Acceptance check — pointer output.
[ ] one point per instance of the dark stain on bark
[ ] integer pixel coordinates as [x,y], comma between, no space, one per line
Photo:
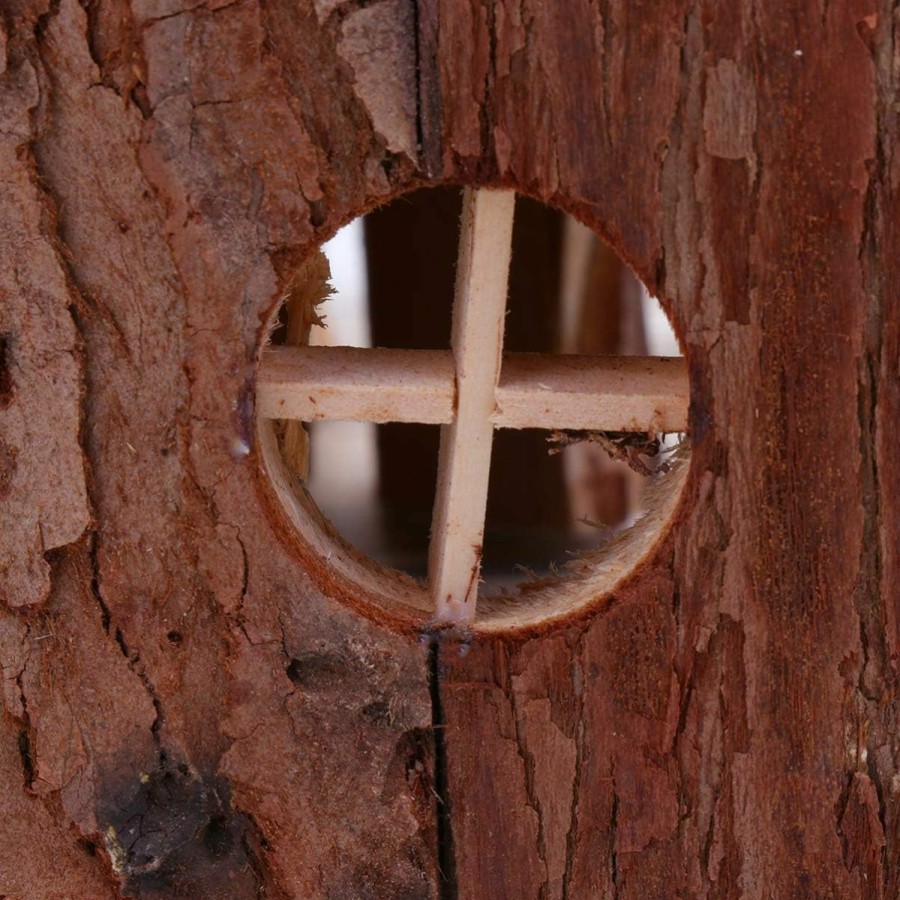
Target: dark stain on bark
[179,837]
[8,466]
[6,383]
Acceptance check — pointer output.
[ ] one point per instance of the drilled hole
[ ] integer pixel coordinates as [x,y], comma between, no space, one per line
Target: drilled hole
[555,496]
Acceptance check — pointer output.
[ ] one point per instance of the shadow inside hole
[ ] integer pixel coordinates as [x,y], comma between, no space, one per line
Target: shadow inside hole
[530,533]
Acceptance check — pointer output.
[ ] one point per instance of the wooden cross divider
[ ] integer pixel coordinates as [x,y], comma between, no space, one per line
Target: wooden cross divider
[469,391]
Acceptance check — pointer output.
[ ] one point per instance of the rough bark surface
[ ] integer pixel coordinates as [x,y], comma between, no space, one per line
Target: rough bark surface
[186,707]
[728,726]
[180,697]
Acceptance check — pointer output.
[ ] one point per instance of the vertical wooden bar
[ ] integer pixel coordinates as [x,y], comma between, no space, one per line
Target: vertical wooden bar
[479,308]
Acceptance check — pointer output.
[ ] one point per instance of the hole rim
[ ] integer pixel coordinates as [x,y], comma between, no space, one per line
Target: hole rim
[395,600]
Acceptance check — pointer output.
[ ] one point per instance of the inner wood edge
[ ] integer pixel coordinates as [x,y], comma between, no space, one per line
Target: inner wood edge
[394,598]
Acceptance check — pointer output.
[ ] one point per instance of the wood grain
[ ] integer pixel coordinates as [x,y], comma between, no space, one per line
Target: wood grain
[535,390]
[464,459]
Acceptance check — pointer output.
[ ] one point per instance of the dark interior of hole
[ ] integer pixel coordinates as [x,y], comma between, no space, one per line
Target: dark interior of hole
[528,521]
[411,249]
[411,264]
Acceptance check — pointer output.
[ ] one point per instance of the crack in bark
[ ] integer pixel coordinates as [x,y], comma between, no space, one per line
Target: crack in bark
[580,744]
[686,690]
[867,407]
[529,764]
[418,41]
[24,741]
[870,682]
[43,22]
[446,857]
[876,678]
[605,15]
[134,658]
[245,576]
[613,836]
[95,582]
[94,38]
[488,146]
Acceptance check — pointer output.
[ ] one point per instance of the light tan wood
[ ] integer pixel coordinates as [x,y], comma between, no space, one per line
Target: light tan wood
[479,310]
[465,391]
[356,384]
[598,393]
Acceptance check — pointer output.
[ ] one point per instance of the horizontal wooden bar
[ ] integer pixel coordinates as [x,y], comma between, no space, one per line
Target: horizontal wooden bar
[536,390]
[598,393]
[356,384]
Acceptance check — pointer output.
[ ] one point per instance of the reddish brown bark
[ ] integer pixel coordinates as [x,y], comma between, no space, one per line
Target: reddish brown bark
[189,705]
[188,700]
[725,741]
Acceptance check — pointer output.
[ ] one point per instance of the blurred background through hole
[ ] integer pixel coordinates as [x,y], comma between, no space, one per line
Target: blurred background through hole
[392,273]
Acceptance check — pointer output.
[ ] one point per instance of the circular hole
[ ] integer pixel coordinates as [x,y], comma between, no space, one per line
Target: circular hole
[569,513]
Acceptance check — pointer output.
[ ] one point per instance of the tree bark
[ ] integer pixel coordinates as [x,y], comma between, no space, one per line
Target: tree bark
[182,696]
[191,707]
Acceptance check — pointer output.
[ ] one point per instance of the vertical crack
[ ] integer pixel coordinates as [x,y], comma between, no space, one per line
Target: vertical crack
[418,40]
[24,741]
[528,764]
[26,757]
[95,585]
[132,657]
[445,851]
[580,748]
[487,113]
[613,837]
[428,97]
[876,680]
[6,380]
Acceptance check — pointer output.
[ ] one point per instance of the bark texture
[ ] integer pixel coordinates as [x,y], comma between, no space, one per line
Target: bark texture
[188,708]
[177,691]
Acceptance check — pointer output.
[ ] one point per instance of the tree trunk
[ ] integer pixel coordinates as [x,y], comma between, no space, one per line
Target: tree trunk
[190,709]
